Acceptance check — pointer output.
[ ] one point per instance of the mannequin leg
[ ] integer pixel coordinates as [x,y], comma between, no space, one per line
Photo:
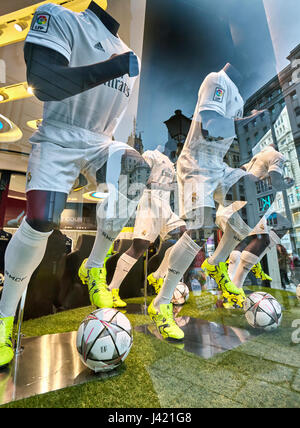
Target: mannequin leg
[179,259]
[27,247]
[162,269]
[23,255]
[127,261]
[112,215]
[251,255]
[226,245]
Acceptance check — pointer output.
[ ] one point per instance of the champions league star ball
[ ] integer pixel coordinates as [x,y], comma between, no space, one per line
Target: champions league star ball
[298,291]
[104,339]
[181,294]
[263,311]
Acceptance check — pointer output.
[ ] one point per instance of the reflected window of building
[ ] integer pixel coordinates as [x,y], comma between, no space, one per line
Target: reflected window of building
[279,203]
[272,220]
[291,198]
[265,202]
[263,185]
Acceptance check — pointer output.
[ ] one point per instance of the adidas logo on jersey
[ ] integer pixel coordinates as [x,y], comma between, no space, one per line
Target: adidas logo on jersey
[99,47]
[120,85]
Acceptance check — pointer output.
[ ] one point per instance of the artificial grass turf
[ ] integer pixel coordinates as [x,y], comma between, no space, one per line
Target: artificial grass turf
[264,372]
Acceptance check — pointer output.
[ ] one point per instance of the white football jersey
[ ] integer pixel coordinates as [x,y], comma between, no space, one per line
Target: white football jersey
[83,39]
[264,162]
[217,93]
[162,169]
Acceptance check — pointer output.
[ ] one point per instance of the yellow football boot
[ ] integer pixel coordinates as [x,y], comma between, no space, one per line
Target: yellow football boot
[259,273]
[95,278]
[6,342]
[156,283]
[233,296]
[117,301]
[165,323]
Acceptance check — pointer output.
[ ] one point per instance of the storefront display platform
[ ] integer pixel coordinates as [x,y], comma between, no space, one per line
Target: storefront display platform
[51,362]
[203,338]
[45,363]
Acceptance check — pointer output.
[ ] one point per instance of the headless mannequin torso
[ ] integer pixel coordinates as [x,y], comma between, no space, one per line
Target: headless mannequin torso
[44,65]
[213,122]
[110,23]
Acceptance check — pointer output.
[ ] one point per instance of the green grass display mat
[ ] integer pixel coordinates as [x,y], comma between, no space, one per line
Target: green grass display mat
[263,372]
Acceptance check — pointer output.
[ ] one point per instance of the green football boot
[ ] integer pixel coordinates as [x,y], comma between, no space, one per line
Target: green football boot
[117,301]
[95,279]
[165,323]
[232,295]
[259,273]
[6,342]
[156,283]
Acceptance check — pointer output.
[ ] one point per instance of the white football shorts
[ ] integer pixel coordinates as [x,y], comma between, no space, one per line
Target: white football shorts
[229,215]
[55,168]
[154,216]
[202,189]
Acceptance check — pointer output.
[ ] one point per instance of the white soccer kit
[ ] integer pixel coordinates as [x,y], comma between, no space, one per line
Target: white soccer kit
[202,175]
[76,133]
[264,162]
[154,215]
[260,165]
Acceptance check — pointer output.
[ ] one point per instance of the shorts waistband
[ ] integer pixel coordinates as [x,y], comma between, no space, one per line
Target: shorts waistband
[98,136]
[159,194]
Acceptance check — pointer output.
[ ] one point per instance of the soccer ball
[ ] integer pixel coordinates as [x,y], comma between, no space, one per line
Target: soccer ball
[104,339]
[263,311]
[298,291]
[181,294]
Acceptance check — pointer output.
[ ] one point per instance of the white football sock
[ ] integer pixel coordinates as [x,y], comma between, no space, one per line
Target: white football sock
[23,255]
[110,222]
[102,244]
[181,256]
[247,261]
[162,269]
[234,260]
[125,263]
[274,240]
[226,245]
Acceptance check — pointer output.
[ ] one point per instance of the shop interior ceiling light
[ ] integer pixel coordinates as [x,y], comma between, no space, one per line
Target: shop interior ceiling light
[14,92]
[30,90]
[9,132]
[34,124]
[3,96]
[95,196]
[14,26]
[21,25]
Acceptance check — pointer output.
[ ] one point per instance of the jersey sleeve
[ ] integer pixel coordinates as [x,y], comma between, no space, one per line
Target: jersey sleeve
[51,27]
[149,158]
[246,166]
[213,94]
[276,163]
